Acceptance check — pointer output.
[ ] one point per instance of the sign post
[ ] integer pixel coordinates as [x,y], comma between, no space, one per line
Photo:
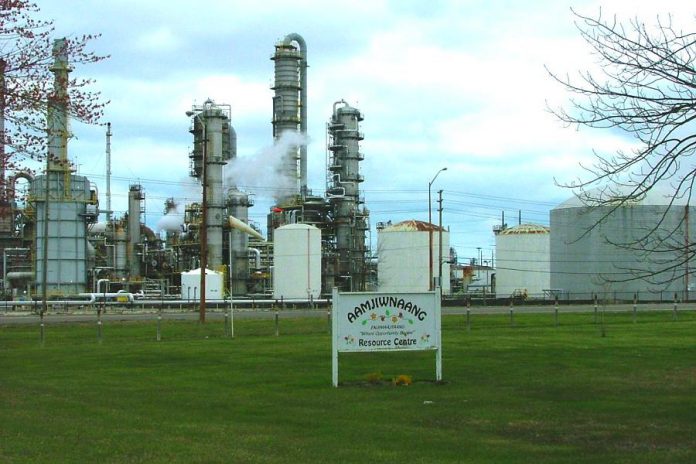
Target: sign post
[368,322]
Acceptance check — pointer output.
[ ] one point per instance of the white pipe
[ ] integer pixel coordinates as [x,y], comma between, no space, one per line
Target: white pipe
[101,296]
[244,227]
[99,284]
[257,252]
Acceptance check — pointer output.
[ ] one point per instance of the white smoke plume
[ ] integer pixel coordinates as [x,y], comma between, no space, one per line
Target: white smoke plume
[172,220]
[263,173]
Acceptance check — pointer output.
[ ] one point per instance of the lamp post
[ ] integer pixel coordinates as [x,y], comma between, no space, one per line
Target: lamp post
[203,232]
[430,231]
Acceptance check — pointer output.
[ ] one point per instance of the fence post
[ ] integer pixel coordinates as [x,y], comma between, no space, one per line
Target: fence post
[159,325]
[277,328]
[635,308]
[227,323]
[99,326]
[555,312]
[595,308]
[328,318]
[674,310]
[42,335]
[468,314]
[512,314]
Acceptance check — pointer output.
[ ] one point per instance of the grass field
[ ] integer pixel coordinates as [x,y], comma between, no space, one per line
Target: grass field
[530,393]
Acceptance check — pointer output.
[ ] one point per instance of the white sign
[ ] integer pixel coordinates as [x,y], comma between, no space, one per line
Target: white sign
[386,322]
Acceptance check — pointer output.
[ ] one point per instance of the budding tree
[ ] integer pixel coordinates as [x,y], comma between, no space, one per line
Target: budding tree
[26,83]
[644,86]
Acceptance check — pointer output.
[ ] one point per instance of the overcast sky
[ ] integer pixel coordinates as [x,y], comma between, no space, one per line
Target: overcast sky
[459,84]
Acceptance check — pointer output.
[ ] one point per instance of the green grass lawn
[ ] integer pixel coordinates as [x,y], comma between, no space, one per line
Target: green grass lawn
[530,393]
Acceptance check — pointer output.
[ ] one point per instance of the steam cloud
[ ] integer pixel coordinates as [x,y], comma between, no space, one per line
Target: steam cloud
[263,173]
[172,220]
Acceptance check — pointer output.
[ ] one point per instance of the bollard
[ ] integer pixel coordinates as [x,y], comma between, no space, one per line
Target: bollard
[277,328]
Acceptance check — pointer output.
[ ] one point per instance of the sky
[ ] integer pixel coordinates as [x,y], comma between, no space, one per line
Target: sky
[456,84]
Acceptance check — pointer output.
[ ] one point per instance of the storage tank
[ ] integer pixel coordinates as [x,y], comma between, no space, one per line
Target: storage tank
[598,249]
[297,262]
[522,266]
[191,283]
[404,258]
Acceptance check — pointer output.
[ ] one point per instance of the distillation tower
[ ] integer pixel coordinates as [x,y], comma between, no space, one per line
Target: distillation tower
[214,143]
[64,203]
[350,221]
[290,106]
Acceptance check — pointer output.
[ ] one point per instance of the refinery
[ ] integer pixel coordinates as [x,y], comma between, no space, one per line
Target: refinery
[55,247]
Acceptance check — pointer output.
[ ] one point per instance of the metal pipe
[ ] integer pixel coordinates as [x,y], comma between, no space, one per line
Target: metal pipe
[294,37]
[244,227]
[99,282]
[257,253]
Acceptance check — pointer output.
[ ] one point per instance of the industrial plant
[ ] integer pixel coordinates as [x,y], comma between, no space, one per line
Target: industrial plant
[55,247]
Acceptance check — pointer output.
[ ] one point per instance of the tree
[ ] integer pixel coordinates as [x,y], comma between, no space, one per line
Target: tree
[644,86]
[26,83]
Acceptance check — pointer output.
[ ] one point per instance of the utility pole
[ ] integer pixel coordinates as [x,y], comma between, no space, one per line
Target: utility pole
[439,272]
[430,232]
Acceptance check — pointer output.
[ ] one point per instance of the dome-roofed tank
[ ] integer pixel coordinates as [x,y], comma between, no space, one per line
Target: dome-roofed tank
[621,250]
[404,258]
[522,265]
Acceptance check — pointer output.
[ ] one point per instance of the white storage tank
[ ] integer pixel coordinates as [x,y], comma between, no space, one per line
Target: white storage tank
[522,265]
[618,251]
[191,285]
[404,258]
[296,262]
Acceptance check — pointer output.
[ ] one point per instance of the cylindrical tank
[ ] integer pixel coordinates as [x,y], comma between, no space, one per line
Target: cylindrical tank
[522,265]
[120,253]
[297,262]
[404,260]
[618,251]
[238,204]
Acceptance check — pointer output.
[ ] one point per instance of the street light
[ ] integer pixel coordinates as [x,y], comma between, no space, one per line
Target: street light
[203,232]
[430,231]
